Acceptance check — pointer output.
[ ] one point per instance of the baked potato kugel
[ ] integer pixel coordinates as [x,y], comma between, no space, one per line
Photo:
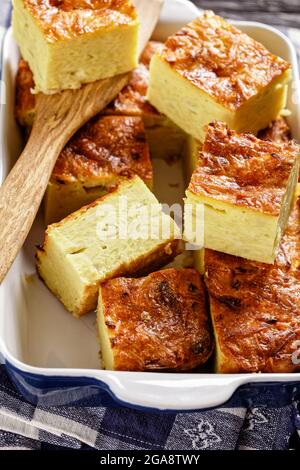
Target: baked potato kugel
[106,239]
[211,70]
[159,322]
[246,186]
[278,131]
[71,42]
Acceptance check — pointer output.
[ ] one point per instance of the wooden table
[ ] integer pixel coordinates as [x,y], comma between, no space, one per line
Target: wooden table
[274,12]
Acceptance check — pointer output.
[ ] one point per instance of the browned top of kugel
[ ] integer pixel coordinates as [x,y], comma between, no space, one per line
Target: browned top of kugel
[64,19]
[158,322]
[221,60]
[243,170]
[278,131]
[256,306]
[104,146]
[25,100]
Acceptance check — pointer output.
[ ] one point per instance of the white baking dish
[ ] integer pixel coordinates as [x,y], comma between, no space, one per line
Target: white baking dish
[41,343]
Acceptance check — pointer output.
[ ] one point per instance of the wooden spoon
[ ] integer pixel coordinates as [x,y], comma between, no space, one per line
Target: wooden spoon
[58,117]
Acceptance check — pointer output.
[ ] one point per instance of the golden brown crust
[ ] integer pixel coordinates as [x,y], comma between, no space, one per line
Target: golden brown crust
[132,99]
[158,322]
[65,19]
[256,307]
[221,60]
[243,170]
[105,146]
[278,131]
[25,100]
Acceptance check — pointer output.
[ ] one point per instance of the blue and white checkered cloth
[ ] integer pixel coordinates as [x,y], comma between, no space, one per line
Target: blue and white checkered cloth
[25,426]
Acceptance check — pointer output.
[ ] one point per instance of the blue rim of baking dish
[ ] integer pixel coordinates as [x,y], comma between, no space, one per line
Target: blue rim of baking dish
[83,391]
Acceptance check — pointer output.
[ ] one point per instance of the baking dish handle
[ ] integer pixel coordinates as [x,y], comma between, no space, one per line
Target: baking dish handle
[175,392]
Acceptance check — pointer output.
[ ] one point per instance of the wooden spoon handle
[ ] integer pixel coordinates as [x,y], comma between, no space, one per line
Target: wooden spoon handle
[21,193]
[57,118]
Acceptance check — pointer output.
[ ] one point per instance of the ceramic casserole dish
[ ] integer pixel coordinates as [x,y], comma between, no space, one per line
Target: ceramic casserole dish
[53,359]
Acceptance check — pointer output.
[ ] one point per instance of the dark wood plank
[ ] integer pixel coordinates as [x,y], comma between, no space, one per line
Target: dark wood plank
[276,12]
